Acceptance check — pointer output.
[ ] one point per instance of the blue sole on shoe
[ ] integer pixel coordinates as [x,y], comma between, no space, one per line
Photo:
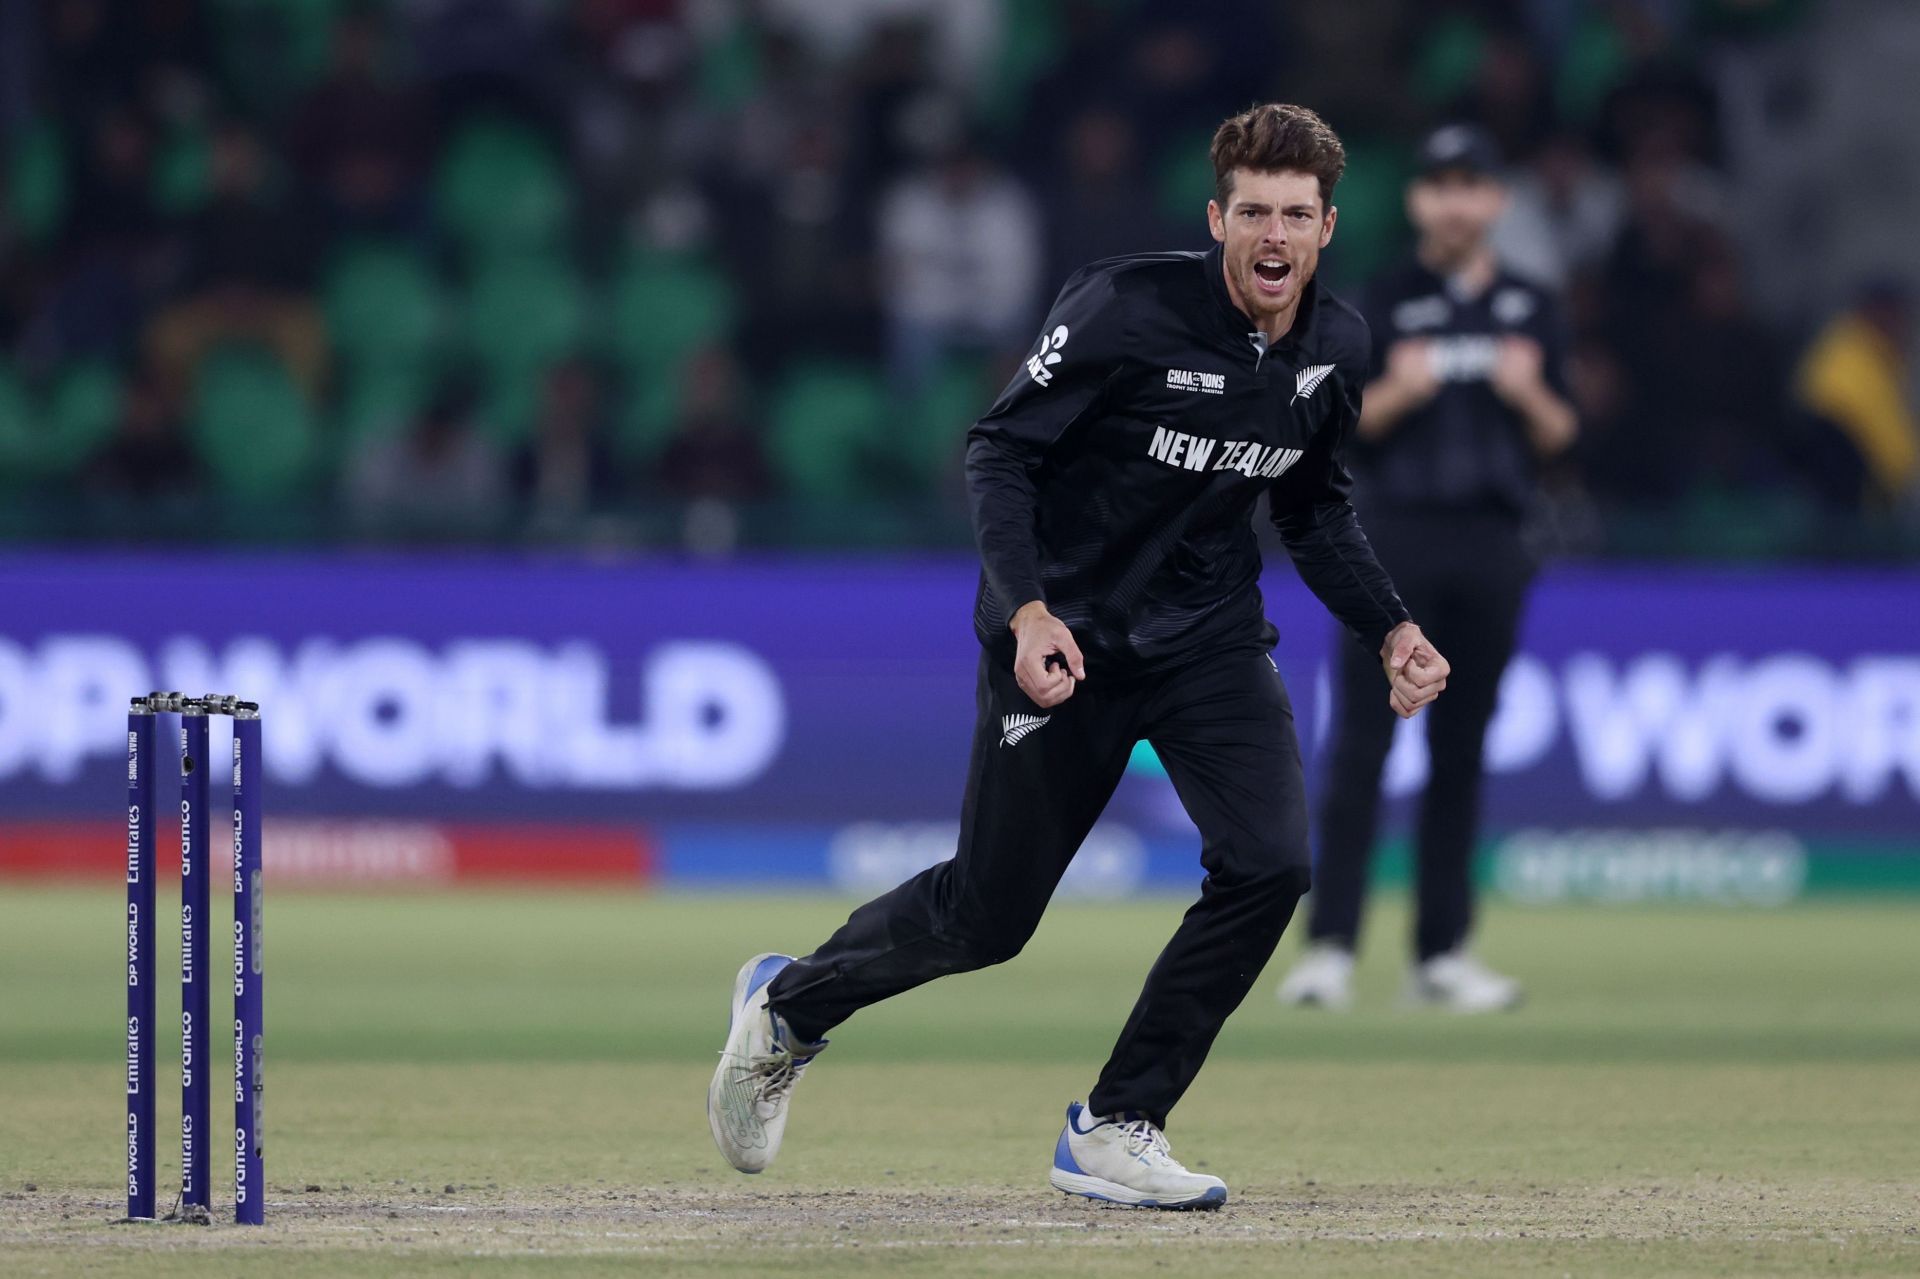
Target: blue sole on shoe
[1086,1187]
[1215,1198]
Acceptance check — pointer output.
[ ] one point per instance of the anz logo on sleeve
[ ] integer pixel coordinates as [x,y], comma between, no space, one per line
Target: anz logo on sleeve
[1040,363]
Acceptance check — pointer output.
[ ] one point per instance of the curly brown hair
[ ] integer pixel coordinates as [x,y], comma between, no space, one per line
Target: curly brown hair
[1275,136]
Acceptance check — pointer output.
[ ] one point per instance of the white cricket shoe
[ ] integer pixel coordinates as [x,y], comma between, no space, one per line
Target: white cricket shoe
[1458,981]
[1320,978]
[1124,1159]
[747,1100]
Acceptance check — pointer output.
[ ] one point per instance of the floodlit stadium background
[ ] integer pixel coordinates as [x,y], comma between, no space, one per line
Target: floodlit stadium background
[551,411]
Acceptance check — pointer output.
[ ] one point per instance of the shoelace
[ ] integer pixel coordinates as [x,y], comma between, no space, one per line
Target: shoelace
[1143,1138]
[776,1074]
[770,1077]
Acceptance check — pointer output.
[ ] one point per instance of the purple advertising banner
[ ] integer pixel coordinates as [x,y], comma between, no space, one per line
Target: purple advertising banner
[811,715]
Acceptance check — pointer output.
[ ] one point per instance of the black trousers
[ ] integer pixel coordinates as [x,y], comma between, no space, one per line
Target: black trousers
[1223,726]
[1464,577]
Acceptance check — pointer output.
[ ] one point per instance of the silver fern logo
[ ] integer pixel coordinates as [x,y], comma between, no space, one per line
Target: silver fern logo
[1308,380]
[1015,727]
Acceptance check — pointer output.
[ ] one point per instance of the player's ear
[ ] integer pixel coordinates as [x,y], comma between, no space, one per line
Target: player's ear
[1216,221]
[1326,228]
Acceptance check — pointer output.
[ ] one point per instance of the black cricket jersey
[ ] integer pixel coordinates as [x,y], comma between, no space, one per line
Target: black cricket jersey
[1464,450]
[1116,476]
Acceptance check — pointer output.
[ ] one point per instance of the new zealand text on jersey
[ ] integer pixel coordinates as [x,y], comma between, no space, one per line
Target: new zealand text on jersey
[1196,453]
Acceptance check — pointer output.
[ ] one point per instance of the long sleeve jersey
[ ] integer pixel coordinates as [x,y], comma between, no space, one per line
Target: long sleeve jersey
[1115,478]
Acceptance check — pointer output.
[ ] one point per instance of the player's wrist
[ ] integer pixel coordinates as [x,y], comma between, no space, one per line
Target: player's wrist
[1028,612]
[1386,644]
[1527,396]
[1410,394]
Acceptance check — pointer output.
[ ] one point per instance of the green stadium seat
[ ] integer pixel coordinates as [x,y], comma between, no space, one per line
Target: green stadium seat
[384,308]
[1031,34]
[82,413]
[182,171]
[19,433]
[509,401]
[665,307]
[272,50]
[524,314]
[1373,221]
[52,436]
[252,425]
[728,68]
[1446,66]
[649,410]
[381,400]
[1595,60]
[930,438]
[500,189]
[36,183]
[827,421]
[525,310]
[1186,178]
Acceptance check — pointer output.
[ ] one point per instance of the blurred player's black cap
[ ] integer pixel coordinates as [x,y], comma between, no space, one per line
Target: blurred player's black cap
[1460,148]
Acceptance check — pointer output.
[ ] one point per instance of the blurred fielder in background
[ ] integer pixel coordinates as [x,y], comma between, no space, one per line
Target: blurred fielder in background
[1467,393]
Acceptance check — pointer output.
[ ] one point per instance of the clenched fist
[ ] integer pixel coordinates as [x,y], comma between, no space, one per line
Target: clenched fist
[1039,635]
[1415,670]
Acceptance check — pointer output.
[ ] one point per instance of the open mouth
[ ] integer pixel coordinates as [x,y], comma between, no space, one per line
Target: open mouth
[1272,273]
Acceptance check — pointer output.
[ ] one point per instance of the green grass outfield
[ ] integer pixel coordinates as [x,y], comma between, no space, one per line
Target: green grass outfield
[512,1083]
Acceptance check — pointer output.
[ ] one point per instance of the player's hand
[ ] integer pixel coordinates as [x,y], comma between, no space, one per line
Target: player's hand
[1039,635]
[1412,370]
[1415,670]
[1518,369]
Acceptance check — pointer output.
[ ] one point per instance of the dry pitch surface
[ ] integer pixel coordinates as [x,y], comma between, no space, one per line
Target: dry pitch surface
[1694,1227]
[507,1085]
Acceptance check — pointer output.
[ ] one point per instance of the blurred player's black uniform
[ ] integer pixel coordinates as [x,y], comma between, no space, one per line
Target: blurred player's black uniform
[1445,493]
[1115,479]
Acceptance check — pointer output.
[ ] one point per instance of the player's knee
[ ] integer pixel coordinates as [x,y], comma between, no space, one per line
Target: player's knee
[1293,882]
[970,950]
[1278,879]
[1000,947]
[1289,885]
[986,941]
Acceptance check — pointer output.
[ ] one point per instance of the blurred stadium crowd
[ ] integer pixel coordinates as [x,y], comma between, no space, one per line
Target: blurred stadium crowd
[721,270]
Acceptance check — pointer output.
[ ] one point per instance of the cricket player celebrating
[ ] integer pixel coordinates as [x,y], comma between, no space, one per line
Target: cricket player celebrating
[1112,488]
